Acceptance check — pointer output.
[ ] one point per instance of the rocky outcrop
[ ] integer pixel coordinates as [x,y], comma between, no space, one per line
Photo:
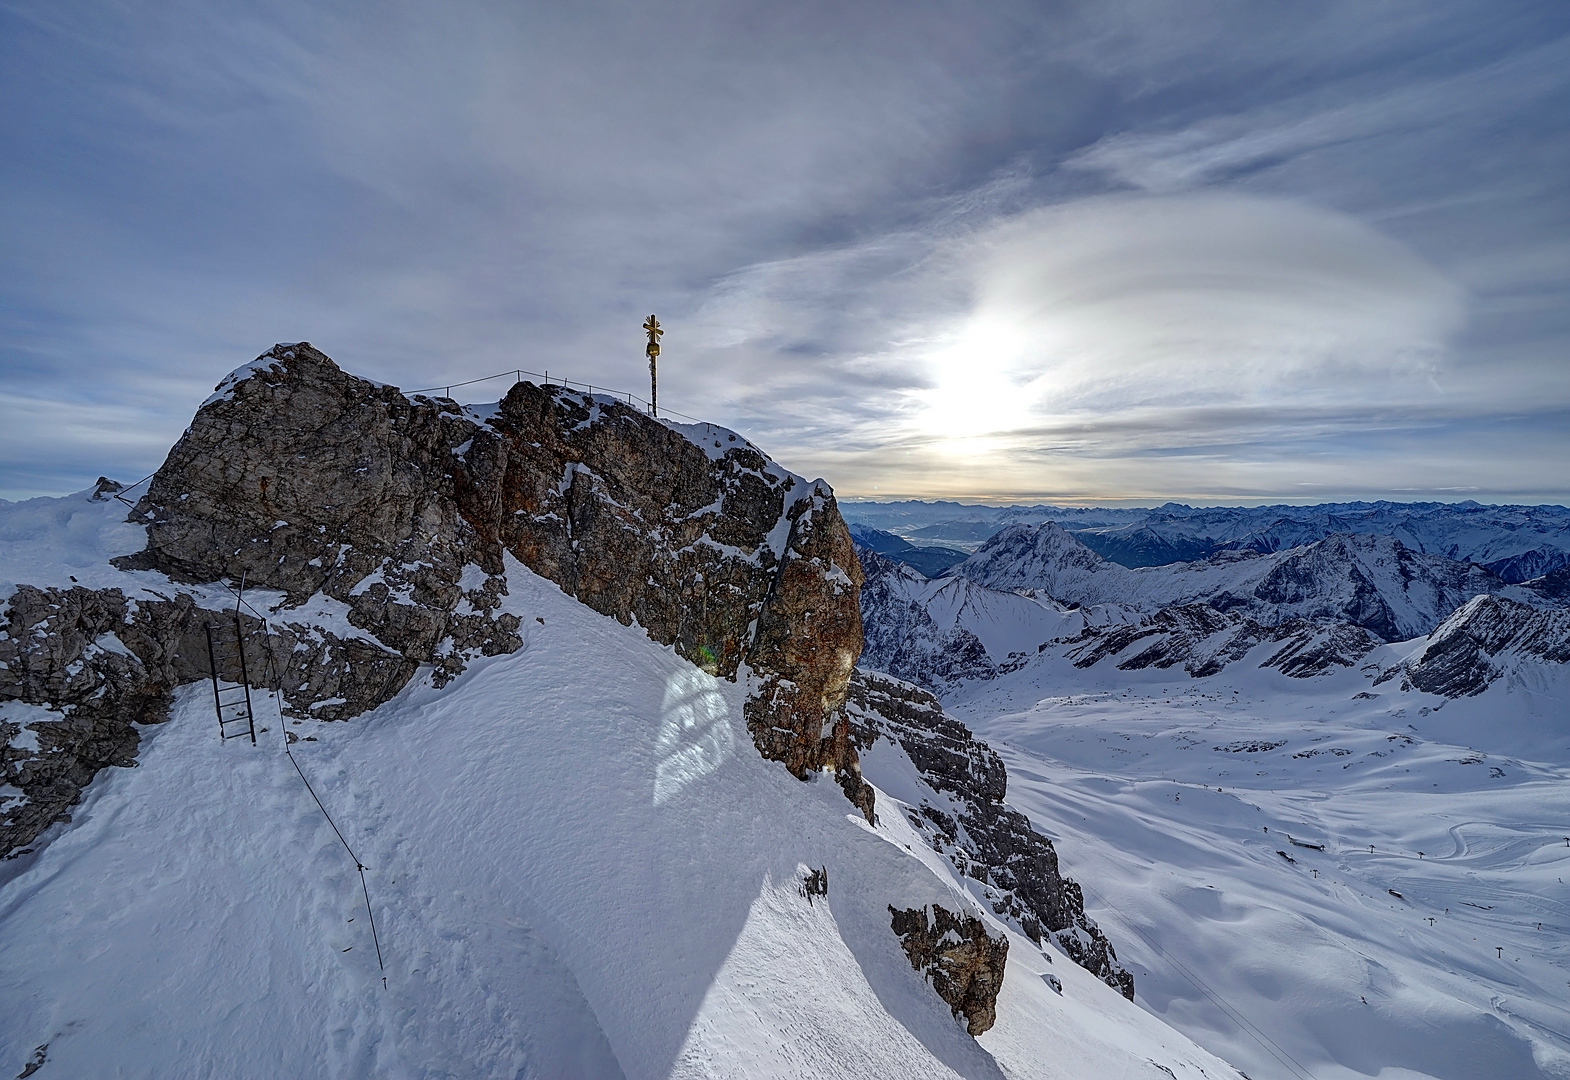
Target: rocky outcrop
[1204,641]
[1553,587]
[900,636]
[1481,642]
[308,480]
[956,954]
[105,663]
[343,503]
[808,638]
[965,819]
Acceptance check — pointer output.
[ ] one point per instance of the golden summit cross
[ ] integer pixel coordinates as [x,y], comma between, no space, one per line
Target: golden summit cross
[652,327]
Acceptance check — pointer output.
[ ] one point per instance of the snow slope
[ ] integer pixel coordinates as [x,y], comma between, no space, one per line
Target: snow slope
[578,865]
[1331,875]
[1160,789]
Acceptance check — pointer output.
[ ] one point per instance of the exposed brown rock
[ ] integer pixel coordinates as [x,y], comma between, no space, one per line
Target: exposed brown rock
[964,963]
[969,824]
[327,488]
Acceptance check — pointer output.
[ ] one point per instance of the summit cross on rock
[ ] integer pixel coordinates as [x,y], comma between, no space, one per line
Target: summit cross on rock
[652,327]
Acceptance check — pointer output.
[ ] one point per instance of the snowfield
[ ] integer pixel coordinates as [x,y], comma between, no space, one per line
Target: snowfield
[578,867]
[1313,877]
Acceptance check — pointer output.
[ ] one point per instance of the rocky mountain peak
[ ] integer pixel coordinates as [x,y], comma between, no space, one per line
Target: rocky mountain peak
[1482,640]
[1043,556]
[376,530]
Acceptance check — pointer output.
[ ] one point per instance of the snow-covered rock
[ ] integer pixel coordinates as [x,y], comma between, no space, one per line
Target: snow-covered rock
[951,787]
[370,531]
[1483,640]
[1370,581]
[577,869]
[900,635]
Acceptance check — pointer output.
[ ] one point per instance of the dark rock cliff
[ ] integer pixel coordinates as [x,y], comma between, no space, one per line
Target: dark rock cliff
[1204,641]
[1015,867]
[343,502]
[964,963]
[1478,644]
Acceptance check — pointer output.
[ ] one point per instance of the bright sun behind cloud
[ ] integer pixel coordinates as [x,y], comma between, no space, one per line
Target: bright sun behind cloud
[1093,312]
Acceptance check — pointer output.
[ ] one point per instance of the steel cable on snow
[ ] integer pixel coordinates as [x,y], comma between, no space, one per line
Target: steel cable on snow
[271,668]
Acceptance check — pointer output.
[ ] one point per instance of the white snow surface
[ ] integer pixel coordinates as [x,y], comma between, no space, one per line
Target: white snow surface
[48,541]
[578,865]
[1158,790]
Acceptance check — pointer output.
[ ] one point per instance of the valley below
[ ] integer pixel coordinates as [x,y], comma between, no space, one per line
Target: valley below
[1311,877]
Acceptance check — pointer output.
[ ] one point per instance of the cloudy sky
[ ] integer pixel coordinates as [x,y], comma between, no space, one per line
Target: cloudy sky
[1089,253]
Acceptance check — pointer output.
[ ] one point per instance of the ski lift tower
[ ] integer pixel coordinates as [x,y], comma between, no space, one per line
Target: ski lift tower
[652,326]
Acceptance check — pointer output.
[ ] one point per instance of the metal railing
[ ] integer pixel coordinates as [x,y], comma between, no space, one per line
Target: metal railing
[518,374]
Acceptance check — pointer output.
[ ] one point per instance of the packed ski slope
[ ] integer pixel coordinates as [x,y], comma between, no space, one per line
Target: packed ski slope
[577,863]
[1244,837]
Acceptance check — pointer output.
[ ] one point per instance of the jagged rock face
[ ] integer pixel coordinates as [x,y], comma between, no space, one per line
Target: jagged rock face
[105,663]
[900,637]
[1529,565]
[1204,641]
[1473,647]
[1374,582]
[964,963]
[303,479]
[807,642]
[311,481]
[1015,867]
[1044,557]
[1553,586]
[1370,581]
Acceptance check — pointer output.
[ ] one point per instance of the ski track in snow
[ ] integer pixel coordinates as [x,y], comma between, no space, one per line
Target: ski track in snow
[579,867]
[1168,834]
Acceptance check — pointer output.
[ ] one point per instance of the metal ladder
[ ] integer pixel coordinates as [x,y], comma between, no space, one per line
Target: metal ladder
[235,716]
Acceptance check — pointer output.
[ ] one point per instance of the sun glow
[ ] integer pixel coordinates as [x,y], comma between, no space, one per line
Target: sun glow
[980,386]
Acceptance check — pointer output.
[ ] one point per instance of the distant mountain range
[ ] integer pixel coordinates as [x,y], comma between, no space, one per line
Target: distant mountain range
[1515,543]
[931,561]
[1034,587]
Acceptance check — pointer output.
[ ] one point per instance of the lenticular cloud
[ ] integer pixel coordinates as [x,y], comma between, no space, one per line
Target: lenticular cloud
[1118,301]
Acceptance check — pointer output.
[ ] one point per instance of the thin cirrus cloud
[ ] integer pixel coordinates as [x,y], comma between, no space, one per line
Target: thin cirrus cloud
[1012,250]
[1025,354]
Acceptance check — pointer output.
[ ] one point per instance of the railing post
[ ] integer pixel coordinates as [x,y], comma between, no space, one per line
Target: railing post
[245,677]
[212,665]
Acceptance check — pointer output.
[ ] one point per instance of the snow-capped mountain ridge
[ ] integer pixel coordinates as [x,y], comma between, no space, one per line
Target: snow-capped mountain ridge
[545,660]
[1371,581]
[1516,543]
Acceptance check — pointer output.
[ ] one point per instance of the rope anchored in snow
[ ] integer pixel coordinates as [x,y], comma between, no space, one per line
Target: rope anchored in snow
[272,672]
[358,865]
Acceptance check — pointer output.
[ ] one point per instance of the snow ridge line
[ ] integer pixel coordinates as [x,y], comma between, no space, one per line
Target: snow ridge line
[239,598]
